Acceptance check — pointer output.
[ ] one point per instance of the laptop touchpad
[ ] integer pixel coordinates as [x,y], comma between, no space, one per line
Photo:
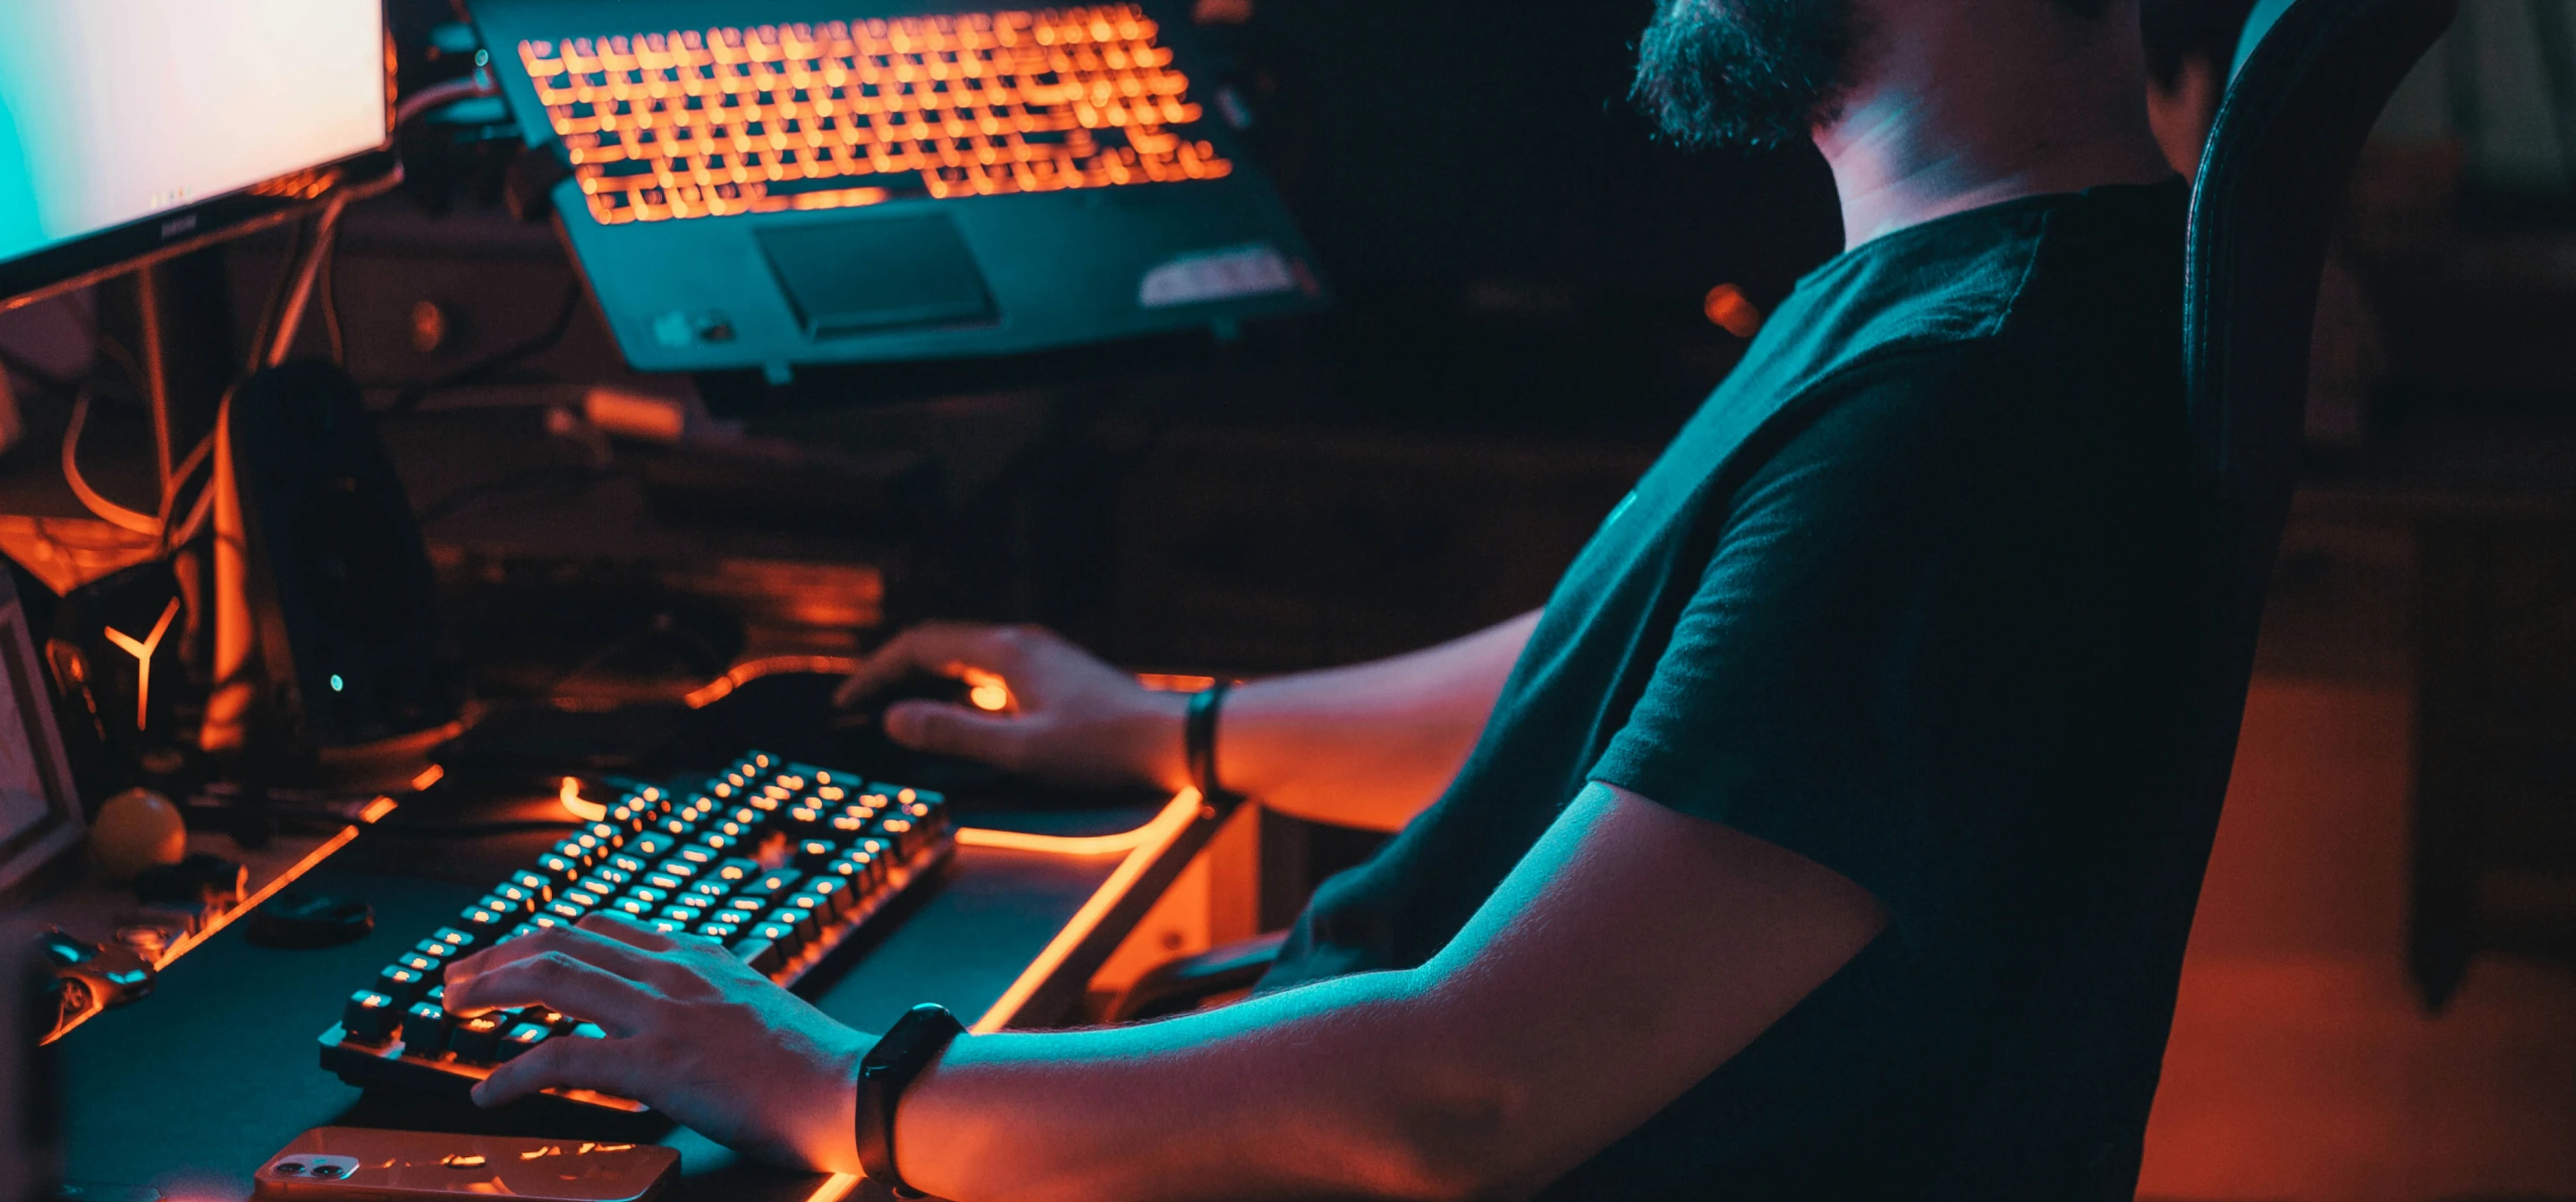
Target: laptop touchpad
[877,273]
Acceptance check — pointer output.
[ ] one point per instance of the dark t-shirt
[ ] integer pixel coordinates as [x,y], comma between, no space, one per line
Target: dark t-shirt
[1904,597]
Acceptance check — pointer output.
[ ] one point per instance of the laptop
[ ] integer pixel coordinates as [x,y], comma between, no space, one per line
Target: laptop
[775,183]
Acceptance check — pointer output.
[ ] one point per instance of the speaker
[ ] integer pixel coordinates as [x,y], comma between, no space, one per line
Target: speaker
[329,643]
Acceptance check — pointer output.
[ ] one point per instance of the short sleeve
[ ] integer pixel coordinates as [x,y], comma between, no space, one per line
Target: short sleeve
[1890,662]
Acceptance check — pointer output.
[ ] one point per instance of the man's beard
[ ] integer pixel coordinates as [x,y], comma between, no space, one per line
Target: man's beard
[1745,72]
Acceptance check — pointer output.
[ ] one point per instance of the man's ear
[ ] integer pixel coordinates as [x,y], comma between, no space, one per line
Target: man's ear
[2184,113]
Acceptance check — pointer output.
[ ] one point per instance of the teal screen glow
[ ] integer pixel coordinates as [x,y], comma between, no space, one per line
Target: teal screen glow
[115,111]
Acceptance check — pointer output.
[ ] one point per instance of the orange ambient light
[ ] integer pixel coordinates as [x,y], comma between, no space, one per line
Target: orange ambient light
[1730,310]
[776,118]
[577,805]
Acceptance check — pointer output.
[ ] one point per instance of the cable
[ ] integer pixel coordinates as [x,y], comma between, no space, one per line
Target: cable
[329,303]
[440,95]
[90,498]
[179,475]
[325,235]
[275,307]
[312,238]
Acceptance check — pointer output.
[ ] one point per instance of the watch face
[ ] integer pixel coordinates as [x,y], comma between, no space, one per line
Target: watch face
[919,1030]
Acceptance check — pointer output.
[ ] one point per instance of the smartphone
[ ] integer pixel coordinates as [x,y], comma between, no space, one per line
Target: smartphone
[357,1164]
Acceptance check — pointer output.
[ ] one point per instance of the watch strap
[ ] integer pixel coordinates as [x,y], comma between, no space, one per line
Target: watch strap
[900,1055]
[1198,740]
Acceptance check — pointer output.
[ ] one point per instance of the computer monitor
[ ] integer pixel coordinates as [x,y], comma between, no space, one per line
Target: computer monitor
[135,129]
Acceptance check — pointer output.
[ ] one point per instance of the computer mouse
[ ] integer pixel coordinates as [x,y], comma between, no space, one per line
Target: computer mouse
[791,714]
[301,920]
[920,686]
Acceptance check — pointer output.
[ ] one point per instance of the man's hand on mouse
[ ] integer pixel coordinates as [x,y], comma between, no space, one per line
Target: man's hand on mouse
[1079,721]
[692,1032]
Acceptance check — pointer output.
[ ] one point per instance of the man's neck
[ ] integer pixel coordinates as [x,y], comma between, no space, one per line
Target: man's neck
[1939,127]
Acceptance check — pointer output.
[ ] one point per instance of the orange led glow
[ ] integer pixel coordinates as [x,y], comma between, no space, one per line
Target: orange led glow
[1729,309]
[984,690]
[753,669]
[835,1187]
[1151,840]
[428,776]
[141,649]
[685,124]
[1056,845]
[303,185]
[578,806]
[170,953]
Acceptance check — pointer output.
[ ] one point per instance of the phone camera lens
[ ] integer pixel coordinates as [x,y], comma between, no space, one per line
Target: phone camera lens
[289,1168]
[326,1170]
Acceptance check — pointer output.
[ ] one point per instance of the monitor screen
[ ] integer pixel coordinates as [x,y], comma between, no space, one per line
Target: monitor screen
[119,112]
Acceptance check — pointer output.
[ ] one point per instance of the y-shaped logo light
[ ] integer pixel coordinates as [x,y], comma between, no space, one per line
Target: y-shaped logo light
[142,652]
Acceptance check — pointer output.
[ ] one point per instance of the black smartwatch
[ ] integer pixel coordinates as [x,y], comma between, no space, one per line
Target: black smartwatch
[1198,740]
[908,1047]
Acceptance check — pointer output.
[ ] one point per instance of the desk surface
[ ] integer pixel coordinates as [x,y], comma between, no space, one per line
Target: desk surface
[190,1090]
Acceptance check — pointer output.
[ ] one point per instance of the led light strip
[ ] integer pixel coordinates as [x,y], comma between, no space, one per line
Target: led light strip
[1143,846]
[372,814]
[753,669]
[1156,837]
[1056,845]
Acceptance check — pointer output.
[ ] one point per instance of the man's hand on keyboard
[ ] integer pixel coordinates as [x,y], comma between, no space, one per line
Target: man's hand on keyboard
[691,1031]
[1078,721]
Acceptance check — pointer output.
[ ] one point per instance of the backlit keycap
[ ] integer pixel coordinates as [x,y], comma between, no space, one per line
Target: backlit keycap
[370,1016]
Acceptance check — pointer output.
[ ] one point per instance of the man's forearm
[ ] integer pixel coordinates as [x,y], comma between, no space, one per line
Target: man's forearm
[1319,1092]
[1634,951]
[1367,745]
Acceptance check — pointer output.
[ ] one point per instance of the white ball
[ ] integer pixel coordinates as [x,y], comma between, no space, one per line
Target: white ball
[137,829]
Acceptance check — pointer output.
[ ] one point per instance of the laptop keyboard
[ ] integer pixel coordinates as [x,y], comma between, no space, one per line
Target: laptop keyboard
[773,118]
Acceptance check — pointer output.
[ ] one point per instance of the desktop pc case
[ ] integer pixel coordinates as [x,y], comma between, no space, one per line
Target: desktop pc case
[912,278]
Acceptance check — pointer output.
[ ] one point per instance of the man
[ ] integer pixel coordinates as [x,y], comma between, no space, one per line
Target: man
[1816,840]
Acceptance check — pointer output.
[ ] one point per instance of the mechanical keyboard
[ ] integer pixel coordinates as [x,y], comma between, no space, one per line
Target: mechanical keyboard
[769,118]
[783,863]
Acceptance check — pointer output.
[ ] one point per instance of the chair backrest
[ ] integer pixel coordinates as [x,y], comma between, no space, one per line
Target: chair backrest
[2309,84]
[2300,104]
[2311,78]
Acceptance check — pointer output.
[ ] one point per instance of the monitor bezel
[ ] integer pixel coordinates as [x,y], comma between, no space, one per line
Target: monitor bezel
[270,202]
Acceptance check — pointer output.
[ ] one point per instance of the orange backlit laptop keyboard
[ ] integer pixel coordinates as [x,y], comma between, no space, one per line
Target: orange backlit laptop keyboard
[772,185]
[773,118]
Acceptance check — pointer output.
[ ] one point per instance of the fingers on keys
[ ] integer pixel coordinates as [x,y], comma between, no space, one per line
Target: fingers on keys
[607,1065]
